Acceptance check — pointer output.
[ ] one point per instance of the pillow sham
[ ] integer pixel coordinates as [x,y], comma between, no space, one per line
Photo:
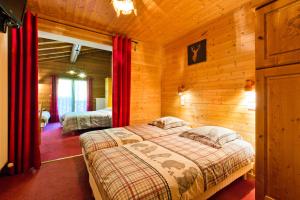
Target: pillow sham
[214,136]
[168,122]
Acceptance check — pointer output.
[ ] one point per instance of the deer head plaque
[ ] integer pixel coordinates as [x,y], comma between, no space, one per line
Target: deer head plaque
[197,52]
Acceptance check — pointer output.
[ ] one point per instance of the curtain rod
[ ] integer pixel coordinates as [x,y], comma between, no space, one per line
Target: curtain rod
[101,33]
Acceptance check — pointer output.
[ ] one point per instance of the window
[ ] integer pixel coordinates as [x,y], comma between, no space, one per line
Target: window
[80,95]
[72,96]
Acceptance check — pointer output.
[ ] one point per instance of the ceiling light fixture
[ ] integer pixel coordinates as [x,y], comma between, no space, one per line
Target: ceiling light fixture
[125,7]
[72,72]
[82,75]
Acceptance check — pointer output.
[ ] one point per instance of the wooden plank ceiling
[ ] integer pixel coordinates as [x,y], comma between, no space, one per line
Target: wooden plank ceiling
[49,50]
[160,21]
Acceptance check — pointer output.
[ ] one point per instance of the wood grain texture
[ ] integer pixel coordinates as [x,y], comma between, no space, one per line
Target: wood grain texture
[55,50]
[278,34]
[79,32]
[3,99]
[96,65]
[108,92]
[278,133]
[157,21]
[278,93]
[145,83]
[215,89]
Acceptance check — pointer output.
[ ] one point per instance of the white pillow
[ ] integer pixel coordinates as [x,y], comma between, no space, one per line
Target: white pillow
[168,122]
[214,136]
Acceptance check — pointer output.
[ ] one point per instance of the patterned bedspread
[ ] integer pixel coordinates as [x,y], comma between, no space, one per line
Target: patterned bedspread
[169,167]
[113,137]
[86,120]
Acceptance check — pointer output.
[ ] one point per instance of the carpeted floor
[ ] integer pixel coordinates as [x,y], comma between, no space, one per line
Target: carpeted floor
[59,180]
[68,179]
[54,145]
[238,190]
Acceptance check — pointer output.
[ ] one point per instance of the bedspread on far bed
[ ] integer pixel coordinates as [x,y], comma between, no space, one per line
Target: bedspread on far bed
[113,137]
[86,120]
[169,167]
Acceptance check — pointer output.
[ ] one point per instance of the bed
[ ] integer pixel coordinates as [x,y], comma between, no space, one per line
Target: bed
[170,167]
[113,137]
[75,121]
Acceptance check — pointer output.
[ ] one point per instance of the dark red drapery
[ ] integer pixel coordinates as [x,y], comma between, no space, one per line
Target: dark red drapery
[121,81]
[89,104]
[53,104]
[24,150]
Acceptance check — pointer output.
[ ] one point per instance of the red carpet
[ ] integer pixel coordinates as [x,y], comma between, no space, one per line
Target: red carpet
[55,145]
[238,190]
[68,179]
[58,180]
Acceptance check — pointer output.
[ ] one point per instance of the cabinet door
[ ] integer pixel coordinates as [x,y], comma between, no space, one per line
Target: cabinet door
[3,100]
[278,34]
[278,133]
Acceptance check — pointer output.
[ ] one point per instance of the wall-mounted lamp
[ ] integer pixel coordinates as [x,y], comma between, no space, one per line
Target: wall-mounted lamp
[181,90]
[250,94]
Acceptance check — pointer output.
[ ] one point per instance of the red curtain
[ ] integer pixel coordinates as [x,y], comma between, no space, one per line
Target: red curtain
[89,104]
[121,80]
[24,134]
[53,105]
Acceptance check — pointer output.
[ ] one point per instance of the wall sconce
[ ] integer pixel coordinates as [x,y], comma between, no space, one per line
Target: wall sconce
[250,95]
[181,90]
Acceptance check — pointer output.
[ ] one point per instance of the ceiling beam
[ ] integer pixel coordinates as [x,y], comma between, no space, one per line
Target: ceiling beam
[90,51]
[49,42]
[53,53]
[53,58]
[51,48]
[66,39]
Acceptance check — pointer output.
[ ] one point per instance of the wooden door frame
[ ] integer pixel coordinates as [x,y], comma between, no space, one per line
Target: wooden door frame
[81,33]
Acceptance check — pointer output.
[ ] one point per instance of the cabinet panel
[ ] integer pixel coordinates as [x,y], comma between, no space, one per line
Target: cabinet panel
[278,133]
[278,34]
[3,100]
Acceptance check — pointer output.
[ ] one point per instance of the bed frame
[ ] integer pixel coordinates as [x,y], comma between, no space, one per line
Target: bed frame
[203,196]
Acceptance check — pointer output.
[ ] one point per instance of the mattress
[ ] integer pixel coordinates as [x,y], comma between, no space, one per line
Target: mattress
[168,167]
[113,137]
[86,120]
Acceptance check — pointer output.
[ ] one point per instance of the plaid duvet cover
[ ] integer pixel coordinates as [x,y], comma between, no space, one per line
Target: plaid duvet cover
[169,167]
[113,137]
[86,120]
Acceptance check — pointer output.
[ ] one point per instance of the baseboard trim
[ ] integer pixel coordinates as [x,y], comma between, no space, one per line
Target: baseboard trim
[58,159]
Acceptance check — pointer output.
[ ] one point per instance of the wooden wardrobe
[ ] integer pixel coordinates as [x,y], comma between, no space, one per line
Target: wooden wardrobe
[278,101]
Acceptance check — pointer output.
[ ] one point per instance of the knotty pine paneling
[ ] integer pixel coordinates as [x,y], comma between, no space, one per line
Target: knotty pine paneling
[145,83]
[3,100]
[96,65]
[215,89]
[156,21]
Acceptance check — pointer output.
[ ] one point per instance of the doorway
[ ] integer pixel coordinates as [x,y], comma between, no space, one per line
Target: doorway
[81,72]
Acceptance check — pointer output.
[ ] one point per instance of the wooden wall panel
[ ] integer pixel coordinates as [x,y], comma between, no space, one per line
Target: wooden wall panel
[215,89]
[145,83]
[96,65]
[3,100]
[79,32]
[156,21]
